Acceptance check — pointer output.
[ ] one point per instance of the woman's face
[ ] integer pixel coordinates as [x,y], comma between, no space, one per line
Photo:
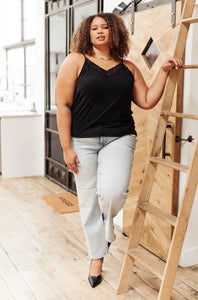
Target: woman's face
[99,32]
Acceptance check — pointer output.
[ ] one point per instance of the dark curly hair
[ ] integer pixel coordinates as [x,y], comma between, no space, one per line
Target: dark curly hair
[119,37]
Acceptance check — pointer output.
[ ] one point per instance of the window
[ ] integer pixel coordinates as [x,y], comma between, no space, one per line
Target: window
[60,26]
[15,67]
[83,11]
[57,49]
[20,46]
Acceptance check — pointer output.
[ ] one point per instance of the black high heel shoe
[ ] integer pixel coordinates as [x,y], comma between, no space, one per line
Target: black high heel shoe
[94,280]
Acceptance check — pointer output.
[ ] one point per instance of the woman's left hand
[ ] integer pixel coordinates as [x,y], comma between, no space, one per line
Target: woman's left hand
[171,63]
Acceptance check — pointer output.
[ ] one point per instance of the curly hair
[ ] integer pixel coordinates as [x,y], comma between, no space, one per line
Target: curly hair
[119,36]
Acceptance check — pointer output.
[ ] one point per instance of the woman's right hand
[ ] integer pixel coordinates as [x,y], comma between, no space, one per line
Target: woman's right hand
[71,159]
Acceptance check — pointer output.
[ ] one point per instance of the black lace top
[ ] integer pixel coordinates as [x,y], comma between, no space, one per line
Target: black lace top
[102,101]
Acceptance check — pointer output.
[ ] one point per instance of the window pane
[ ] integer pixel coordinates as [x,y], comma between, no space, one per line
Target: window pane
[13,21]
[29,20]
[57,49]
[30,65]
[82,12]
[16,71]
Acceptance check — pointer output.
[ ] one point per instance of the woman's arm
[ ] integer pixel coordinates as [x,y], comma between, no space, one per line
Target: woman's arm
[64,91]
[145,97]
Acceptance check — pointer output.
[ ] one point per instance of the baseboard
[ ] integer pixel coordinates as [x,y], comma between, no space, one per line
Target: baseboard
[189,258]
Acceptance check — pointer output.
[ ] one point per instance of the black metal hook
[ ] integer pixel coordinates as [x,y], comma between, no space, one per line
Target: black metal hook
[164,153]
[179,139]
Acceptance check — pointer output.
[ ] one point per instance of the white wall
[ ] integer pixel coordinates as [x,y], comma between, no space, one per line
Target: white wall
[109,5]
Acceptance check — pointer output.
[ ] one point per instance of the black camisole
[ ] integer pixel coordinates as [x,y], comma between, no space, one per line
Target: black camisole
[102,102]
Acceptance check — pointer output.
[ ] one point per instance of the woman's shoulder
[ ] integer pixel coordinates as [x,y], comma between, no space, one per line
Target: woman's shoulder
[74,57]
[129,65]
[72,62]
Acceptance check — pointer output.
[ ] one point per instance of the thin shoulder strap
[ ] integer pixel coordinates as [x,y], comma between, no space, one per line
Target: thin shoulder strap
[83,55]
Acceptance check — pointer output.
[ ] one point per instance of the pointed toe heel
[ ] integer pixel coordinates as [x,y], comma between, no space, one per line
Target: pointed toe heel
[94,280]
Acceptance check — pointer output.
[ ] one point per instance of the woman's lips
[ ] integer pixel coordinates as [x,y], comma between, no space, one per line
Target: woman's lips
[101,37]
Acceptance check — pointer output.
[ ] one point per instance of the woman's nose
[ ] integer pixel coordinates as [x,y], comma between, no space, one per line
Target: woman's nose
[100,30]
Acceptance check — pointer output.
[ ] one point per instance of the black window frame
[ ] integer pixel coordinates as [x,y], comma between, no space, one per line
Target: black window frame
[55,169]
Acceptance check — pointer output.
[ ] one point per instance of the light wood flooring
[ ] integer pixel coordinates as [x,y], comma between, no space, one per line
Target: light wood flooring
[43,254]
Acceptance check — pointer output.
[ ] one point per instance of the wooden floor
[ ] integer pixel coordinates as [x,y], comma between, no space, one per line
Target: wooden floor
[43,254]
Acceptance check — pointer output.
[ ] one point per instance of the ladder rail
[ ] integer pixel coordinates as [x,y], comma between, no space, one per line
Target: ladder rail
[128,263]
[180,229]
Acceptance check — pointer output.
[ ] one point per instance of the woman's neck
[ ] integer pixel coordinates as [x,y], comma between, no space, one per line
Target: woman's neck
[102,53]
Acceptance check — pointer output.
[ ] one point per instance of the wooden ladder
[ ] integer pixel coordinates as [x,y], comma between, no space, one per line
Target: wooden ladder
[134,252]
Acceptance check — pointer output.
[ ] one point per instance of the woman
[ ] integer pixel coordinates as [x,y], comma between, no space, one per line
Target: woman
[94,90]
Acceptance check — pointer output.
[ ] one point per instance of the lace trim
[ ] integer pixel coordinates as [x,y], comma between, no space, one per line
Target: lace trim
[108,72]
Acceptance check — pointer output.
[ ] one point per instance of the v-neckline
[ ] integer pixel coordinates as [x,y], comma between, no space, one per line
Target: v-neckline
[110,70]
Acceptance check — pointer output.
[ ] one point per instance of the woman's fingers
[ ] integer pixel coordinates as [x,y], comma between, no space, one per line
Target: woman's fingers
[177,63]
[171,63]
[71,160]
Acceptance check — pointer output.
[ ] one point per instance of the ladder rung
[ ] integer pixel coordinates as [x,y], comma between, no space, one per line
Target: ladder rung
[190,20]
[169,164]
[190,66]
[179,115]
[148,260]
[158,212]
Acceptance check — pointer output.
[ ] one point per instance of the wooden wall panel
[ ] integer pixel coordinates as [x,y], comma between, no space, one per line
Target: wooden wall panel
[156,24]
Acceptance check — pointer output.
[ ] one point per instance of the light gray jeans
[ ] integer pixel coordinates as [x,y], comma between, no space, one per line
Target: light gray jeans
[102,186]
